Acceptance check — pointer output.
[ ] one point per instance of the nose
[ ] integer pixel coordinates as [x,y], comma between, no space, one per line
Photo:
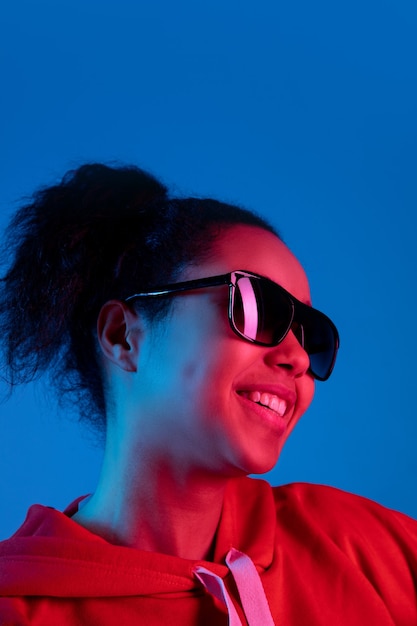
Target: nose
[289,355]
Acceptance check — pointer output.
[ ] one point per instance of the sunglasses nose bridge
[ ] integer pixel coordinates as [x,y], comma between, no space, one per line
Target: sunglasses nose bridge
[297,326]
[290,320]
[289,355]
[291,352]
[298,331]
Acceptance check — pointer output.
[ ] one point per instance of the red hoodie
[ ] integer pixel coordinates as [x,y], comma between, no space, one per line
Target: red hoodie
[306,555]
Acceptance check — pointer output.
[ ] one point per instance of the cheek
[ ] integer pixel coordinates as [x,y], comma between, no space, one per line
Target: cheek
[198,344]
[309,387]
[305,394]
[186,363]
[208,378]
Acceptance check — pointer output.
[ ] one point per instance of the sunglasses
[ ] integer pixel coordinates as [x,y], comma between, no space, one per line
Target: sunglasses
[262,312]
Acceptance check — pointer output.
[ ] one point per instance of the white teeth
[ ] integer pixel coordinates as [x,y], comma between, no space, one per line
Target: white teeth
[266,399]
[255,396]
[274,404]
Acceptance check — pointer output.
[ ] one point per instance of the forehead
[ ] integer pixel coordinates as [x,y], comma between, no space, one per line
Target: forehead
[256,250]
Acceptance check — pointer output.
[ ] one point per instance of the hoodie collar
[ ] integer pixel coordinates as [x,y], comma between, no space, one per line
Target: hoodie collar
[53,555]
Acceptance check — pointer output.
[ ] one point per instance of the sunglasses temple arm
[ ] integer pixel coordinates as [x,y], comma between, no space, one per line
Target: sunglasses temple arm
[189,285]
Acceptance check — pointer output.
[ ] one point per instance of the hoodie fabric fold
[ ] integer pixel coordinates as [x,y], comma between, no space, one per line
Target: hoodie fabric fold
[293,555]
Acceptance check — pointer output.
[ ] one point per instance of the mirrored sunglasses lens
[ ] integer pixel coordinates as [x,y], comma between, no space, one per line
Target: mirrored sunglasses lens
[261,311]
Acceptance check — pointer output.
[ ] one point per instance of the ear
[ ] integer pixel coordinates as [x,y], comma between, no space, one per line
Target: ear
[118,331]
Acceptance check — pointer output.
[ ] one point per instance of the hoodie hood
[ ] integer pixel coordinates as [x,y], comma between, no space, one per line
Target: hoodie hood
[302,553]
[53,555]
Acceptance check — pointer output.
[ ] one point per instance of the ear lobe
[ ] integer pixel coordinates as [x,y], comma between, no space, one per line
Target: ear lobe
[118,331]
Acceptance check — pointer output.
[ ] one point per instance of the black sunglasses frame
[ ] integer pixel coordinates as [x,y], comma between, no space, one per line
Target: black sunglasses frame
[298,308]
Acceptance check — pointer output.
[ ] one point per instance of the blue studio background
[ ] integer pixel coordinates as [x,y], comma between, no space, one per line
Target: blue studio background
[304,111]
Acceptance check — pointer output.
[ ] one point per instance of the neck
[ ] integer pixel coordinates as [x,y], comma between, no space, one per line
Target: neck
[155,507]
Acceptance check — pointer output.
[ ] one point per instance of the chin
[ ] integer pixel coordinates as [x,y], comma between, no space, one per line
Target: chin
[263,462]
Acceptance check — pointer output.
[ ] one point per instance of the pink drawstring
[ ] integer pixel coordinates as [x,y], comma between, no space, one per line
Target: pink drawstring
[216,587]
[251,592]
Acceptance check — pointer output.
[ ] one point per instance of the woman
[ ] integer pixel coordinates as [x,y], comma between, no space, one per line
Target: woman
[183,329]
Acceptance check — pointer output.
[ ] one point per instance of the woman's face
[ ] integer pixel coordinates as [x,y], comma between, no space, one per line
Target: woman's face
[205,399]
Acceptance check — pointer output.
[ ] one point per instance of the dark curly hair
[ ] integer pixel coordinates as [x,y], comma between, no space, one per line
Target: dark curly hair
[101,233]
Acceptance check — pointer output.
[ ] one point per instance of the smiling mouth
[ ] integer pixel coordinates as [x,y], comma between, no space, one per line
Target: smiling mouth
[268,400]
